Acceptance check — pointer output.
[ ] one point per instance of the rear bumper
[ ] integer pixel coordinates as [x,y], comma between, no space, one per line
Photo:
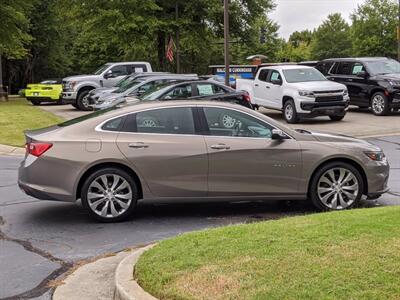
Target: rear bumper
[41,193]
[42,95]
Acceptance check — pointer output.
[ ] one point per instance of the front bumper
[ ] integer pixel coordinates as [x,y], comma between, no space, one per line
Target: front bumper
[377,178]
[331,108]
[395,100]
[69,96]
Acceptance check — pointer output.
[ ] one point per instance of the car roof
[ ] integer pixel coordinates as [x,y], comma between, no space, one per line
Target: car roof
[287,67]
[128,62]
[361,59]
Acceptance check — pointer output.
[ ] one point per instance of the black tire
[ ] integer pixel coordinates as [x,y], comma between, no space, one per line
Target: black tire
[82,102]
[290,112]
[60,102]
[336,118]
[35,102]
[313,189]
[133,200]
[75,105]
[380,104]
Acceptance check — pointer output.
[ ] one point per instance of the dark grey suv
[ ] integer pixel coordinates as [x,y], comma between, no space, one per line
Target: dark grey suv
[371,81]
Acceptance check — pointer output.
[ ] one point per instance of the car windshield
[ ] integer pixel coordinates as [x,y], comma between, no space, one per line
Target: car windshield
[87,117]
[303,75]
[128,84]
[101,69]
[388,66]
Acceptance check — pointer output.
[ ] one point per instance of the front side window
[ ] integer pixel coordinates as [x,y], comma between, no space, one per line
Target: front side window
[357,68]
[101,69]
[303,75]
[120,70]
[177,120]
[226,122]
[179,92]
[274,76]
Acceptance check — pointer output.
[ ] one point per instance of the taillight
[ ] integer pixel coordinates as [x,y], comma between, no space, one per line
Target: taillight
[36,148]
[246,97]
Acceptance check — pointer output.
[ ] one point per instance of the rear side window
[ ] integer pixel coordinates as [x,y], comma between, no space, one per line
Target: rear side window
[324,67]
[357,68]
[344,68]
[263,75]
[179,92]
[176,120]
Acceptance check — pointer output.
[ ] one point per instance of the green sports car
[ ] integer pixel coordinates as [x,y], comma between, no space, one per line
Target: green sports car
[45,91]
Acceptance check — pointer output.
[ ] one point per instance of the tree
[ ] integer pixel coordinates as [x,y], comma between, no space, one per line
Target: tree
[298,37]
[374,28]
[332,38]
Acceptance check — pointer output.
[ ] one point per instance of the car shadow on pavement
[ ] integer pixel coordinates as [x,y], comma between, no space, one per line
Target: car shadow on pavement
[225,212]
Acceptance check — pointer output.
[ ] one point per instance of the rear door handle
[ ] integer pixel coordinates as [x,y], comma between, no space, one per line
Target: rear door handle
[138,145]
[256,84]
[220,147]
[267,87]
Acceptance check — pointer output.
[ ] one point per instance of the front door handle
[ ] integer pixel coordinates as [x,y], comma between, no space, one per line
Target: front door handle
[267,87]
[220,147]
[349,79]
[256,84]
[138,145]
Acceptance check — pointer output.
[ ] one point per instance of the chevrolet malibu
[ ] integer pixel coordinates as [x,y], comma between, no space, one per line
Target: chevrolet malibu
[171,150]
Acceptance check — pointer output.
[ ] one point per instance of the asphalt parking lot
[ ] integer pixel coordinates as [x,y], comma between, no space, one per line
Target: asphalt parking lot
[40,240]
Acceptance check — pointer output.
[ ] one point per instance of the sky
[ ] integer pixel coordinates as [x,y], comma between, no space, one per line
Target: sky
[298,15]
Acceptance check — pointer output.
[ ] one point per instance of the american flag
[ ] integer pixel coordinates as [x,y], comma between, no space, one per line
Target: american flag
[170,50]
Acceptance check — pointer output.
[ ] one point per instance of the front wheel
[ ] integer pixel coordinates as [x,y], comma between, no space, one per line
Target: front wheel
[336,118]
[380,104]
[290,113]
[109,195]
[336,186]
[83,101]
[35,102]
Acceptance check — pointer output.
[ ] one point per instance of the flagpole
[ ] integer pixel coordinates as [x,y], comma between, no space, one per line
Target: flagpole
[178,67]
[226,40]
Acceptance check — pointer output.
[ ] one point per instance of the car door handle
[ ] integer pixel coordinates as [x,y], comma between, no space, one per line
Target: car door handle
[138,145]
[349,79]
[220,147]
[267,87]
[256,84]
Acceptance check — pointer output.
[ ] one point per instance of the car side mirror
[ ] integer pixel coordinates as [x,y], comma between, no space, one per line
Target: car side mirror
[140,91]
[276,81]
[109,74]
[362,74]
[278,134]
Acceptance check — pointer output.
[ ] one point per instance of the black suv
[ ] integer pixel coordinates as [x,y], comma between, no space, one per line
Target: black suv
[372,81]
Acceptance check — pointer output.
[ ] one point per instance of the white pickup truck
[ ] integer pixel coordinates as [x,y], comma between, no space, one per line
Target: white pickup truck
[297,91]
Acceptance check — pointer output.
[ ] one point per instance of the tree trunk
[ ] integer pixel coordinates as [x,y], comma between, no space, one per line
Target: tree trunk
[161,50]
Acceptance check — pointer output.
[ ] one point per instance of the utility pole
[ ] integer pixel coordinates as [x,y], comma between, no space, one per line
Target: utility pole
[178,63]
[226,40]
[398,35]
[1,82]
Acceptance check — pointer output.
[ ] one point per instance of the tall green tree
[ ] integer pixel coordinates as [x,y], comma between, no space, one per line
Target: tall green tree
[332,38]
[301,37]
[374,28]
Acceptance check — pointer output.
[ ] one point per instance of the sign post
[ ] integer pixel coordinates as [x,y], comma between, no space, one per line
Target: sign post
[226,40]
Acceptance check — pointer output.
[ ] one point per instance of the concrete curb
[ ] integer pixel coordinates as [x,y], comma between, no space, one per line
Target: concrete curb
[126,288]
[11,150]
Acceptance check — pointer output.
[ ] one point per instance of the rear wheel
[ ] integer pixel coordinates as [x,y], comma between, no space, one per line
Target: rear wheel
[83,101]
[336,118]
[336,186]
[35,102]
[380,104]
[289,112]
[109,195]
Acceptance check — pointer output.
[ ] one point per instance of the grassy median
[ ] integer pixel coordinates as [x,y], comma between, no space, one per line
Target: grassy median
[18,115]
[341,255]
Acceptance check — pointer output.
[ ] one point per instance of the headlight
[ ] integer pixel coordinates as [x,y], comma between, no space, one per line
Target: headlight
[69,85]
[345,92]
[375,155]
[306,94]
[394,82]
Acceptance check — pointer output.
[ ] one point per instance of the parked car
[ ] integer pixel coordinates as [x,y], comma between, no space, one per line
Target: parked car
[372,81]
[136,87]
[99,92]
[49,90]
[77,88]
[197,90]
[163,150]
[298,91]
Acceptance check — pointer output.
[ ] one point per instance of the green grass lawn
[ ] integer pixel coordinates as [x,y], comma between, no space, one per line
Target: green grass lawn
[18,115]
[340,255]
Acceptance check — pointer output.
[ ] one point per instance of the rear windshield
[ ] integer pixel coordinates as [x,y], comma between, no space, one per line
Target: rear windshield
[303,75]
[88,116]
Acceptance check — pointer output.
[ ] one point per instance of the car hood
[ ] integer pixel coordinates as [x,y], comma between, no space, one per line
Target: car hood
[393,76]
[341,140]
[319,86]
[81,78]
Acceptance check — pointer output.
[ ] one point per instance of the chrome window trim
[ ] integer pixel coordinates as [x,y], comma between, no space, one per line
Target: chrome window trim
[99,129]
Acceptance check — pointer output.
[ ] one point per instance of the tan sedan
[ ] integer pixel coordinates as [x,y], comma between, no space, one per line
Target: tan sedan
[194,150]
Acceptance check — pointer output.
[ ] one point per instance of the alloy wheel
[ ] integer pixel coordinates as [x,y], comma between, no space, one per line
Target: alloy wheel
[289,112]
[85,101]
[109,195]
[338,188]
[378,104]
